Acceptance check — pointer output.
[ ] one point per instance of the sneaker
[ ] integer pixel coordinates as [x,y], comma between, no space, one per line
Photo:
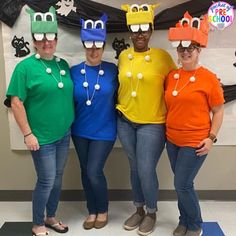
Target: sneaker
[180,230]
[134,221]
[194,233]
[147,225]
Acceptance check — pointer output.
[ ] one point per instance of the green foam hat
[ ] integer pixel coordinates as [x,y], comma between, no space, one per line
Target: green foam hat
[43,23]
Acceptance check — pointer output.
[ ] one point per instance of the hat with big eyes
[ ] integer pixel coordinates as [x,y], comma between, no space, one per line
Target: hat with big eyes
[93,32]
[190,29]
[139,17]
[43,24]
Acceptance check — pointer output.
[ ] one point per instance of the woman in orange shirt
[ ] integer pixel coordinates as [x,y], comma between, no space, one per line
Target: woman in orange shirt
[192,92]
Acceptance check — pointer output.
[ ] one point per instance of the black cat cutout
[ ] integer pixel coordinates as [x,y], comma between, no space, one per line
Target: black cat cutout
[119,46]
[21,46]
[235,62]
[230,90]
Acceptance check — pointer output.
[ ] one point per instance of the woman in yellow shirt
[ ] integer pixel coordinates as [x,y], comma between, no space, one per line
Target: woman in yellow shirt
[141,113]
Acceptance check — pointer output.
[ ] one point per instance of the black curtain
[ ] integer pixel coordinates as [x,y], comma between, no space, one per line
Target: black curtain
[87,9]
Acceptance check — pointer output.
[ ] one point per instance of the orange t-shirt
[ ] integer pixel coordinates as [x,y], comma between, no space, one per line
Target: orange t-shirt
[188,114]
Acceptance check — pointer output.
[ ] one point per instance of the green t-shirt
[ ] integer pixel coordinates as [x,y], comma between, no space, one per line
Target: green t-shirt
[49,109]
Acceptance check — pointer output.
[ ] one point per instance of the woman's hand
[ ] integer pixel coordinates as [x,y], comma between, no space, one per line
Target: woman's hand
[204,147]
[31,142]
[21,118]
[217,117]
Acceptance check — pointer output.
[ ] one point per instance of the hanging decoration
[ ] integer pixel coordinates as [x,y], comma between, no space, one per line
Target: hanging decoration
[20,46]
[65,7]
[119,45]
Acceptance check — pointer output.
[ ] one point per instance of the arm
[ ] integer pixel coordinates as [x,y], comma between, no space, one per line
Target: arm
[19,112]
[217,118]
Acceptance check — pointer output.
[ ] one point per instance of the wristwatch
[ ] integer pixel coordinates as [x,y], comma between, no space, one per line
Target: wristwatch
[212,137]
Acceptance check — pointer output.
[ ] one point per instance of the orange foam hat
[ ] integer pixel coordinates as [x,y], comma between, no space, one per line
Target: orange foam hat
[190,29]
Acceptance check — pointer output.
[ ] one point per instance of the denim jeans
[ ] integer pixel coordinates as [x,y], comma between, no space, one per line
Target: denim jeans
[185,165]
[92,155]
[143,144]
[49,162]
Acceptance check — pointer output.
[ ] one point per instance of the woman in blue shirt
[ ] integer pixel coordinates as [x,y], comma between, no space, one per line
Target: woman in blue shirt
[94,128]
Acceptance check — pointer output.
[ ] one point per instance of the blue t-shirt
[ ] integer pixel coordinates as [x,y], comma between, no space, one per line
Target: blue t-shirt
[98,120]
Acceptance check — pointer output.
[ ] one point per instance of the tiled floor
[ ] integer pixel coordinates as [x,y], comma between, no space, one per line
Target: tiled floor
[73,213]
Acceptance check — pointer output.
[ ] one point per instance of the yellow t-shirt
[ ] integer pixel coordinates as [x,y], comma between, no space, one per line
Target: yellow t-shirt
[152,66]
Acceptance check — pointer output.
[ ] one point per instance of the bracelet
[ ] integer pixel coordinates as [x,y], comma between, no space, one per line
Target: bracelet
[212,137]
[28,134]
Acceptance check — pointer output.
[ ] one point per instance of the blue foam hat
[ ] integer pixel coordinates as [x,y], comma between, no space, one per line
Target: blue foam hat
[93,32]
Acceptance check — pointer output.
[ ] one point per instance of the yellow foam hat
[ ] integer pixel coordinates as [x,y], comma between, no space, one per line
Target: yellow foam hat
[139,14]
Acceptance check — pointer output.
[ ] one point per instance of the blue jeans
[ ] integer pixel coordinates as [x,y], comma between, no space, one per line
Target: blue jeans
[143,144]
[49,162]
[92,155]
[185,165]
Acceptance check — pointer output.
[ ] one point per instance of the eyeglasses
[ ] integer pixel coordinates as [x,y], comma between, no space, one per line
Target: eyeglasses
[43,37]
[190,49]
[94,44]
[140,32]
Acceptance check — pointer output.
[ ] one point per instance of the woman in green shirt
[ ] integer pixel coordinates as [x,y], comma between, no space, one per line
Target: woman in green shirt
[41,93]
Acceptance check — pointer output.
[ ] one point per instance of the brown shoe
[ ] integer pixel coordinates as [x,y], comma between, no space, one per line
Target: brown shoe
[134,220]
[180,230]
[88,224]
[101,220]
[100,224]
[147,225]
[194,233]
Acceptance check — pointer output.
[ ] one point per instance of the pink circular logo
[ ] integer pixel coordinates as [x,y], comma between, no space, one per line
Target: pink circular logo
[221,15]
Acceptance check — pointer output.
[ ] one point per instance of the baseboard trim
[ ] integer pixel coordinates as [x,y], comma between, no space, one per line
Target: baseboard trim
[119,195]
